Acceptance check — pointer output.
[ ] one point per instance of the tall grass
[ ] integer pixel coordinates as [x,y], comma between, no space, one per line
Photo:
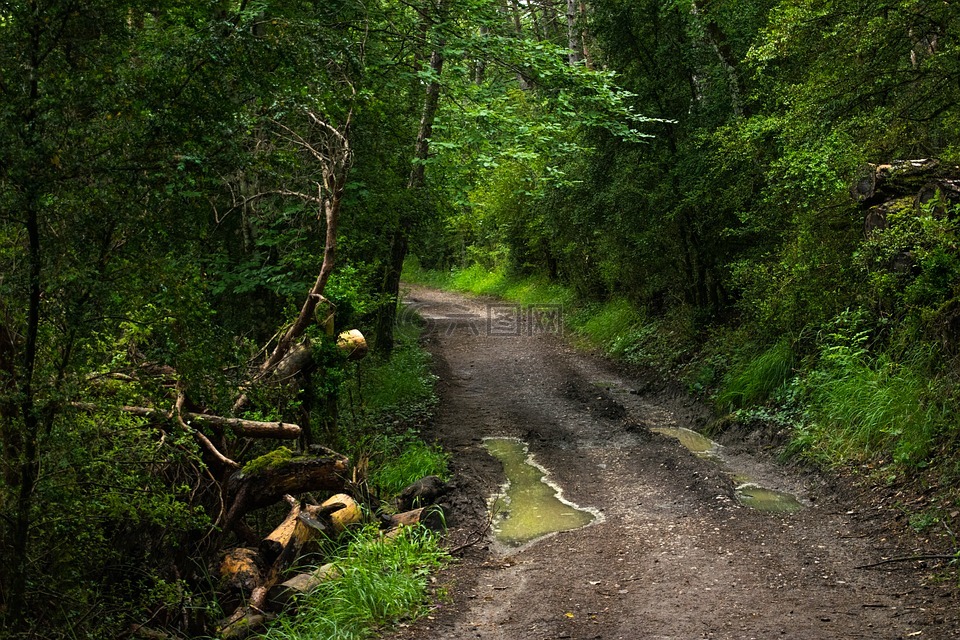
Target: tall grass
[405,378]
[607,323]
[380,582]
[756,379]
[414,460]
[866,408]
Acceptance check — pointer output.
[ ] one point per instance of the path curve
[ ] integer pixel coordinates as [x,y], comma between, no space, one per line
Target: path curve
[675,555]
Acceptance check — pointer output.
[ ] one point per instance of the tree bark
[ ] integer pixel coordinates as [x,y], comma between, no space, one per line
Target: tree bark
[400,241]
[574,37]
[720,44]
[282,595]
[266,480]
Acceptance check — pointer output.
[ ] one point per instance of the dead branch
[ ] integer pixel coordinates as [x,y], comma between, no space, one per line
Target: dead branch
[242,428]
[909,559]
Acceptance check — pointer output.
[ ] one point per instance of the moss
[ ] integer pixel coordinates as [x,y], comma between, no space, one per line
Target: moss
[275,458]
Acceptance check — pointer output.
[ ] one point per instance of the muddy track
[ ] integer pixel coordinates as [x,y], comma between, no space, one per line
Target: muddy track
[675,555]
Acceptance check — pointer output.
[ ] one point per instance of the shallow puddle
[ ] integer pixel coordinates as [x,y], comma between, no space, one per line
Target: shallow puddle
[696,443]
[748,493]
[768,499]
[528,507]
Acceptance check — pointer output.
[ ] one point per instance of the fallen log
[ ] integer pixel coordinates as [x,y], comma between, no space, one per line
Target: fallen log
[244,625]
[277,552]
[425,491]
[265,480]
[241,570]
[240,427]
[432,517]
[284,594]
[349,513]
[299,357]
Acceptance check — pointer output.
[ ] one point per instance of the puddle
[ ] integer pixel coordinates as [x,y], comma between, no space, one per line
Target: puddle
[696,443]
[528,506]
[767,499]
[748,492]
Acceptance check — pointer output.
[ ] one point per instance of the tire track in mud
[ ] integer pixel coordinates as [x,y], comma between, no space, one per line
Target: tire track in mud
[675,556]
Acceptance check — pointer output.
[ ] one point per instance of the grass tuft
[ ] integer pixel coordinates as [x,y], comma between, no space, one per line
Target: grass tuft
[416,460]
[861,409]
[381,581]
[758,379]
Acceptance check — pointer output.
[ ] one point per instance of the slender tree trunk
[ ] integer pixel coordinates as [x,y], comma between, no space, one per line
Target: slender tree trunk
[718,41]
[400,242]
[27,463]
[574,41]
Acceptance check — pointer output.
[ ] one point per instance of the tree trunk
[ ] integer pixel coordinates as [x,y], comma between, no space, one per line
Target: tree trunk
[574,38]
[400,241]
[718,41]
[282,595]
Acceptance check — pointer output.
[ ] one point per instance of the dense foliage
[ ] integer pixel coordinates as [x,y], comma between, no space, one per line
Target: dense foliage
[728,248]
[167,173]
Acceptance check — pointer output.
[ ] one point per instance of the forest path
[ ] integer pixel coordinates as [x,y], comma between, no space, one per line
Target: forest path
[674,555]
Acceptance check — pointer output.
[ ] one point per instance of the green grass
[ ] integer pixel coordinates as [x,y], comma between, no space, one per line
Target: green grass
[606,324]
[483,282]
[861,410]
[849,405]
[381,581]
[415,460]
[403,379]
[756,379]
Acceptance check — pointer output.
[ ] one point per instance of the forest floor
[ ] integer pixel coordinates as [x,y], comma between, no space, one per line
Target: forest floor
[673,555]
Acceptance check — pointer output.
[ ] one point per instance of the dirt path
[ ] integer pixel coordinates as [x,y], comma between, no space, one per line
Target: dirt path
[675,556]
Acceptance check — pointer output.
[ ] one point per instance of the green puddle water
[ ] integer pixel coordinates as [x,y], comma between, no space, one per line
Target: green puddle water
[528,508]
[768,499]
[748,493]
[693,441]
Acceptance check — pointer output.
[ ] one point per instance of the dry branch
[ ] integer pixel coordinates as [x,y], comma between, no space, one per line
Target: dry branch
[242,428]
[333,155]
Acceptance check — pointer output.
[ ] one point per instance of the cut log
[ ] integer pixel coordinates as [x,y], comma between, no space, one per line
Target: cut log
[241,570]
[278,551]
[282,546]
[942,194]
[283,595]
[266,479]
[353,344]
[349,513]
[865,183]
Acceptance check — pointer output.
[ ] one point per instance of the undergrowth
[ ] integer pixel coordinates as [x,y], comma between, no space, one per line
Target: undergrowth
[380,581]
[383,406]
